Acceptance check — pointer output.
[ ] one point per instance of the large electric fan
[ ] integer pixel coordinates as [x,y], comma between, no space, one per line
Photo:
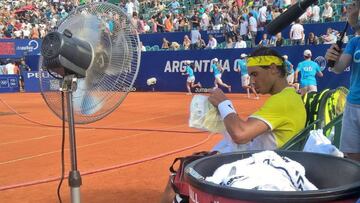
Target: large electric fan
[90,61]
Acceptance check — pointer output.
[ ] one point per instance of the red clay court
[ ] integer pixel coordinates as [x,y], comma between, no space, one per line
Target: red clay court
[124,157]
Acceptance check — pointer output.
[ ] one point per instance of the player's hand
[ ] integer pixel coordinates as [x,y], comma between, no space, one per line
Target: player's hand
[333,53]
[216,96]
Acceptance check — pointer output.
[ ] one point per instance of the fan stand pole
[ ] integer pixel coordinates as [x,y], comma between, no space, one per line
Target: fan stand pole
[69,86]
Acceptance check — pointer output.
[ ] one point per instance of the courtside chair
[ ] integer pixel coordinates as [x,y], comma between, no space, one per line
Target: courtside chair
[334,127]
[297,143]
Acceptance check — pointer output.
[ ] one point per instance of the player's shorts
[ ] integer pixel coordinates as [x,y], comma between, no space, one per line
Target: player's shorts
[218,76]
[191,79]
[245,80]
[290,78]
[350,137]
[310,88]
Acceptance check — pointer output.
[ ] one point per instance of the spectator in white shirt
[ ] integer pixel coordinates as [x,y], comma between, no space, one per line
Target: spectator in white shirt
[10,67]
[315,18]
[262,15]
[205,20]
[240,43]
[212,43]
[327,13]
[252,29]
[243,28]
[297,33]
[130,7]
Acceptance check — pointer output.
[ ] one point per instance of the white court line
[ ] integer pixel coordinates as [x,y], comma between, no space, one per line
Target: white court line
[80,147]
[90,128]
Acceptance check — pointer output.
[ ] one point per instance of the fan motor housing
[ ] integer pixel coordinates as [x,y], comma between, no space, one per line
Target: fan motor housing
[65,54]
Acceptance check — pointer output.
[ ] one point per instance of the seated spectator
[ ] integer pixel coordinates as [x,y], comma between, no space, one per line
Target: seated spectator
[264,42]
[327,14]
[212,43]
[312,39]
[200,43]
[175,46]
[165,44]
[240,43]
[186,42]
[279,40]
[229,43]
[329,37]
[272,41]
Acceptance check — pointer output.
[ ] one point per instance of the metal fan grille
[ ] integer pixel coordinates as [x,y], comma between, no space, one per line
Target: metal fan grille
[114,67]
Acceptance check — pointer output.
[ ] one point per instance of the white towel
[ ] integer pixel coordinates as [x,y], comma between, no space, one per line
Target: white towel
[263,171]
[318,143]
[205,116]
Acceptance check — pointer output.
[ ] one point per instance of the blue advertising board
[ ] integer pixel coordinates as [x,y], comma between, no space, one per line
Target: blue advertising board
[167,66]
[9,83]
[17,48]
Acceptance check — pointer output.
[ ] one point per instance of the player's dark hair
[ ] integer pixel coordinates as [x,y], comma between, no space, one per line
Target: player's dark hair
[265,51]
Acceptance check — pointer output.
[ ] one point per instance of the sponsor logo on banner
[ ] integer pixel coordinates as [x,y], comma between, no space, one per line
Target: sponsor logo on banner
[36,75]
[13,82]
[199,65]
[7,48]
[31,46]
[4,83]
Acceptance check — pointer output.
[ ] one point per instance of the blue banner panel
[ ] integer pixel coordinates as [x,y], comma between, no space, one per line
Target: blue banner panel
[31,81]
[167,66]
[17,48]
[9,83]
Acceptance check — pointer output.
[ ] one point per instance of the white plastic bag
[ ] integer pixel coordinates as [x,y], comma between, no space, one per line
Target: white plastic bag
[318,143]
[205,116]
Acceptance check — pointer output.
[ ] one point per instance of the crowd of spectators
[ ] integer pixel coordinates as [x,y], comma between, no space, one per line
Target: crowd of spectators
[31,19]
[238,20]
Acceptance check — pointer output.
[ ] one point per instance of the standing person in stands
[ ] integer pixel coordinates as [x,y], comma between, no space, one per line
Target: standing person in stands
[190,78]
[218,70]
[23,68]
[252,29]
[281,117]
[308,70]
[315,17]
[350,135]
[297,33]
[194,36]
[245,78]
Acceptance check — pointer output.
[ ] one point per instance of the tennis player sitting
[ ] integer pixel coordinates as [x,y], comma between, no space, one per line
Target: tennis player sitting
[281,117]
